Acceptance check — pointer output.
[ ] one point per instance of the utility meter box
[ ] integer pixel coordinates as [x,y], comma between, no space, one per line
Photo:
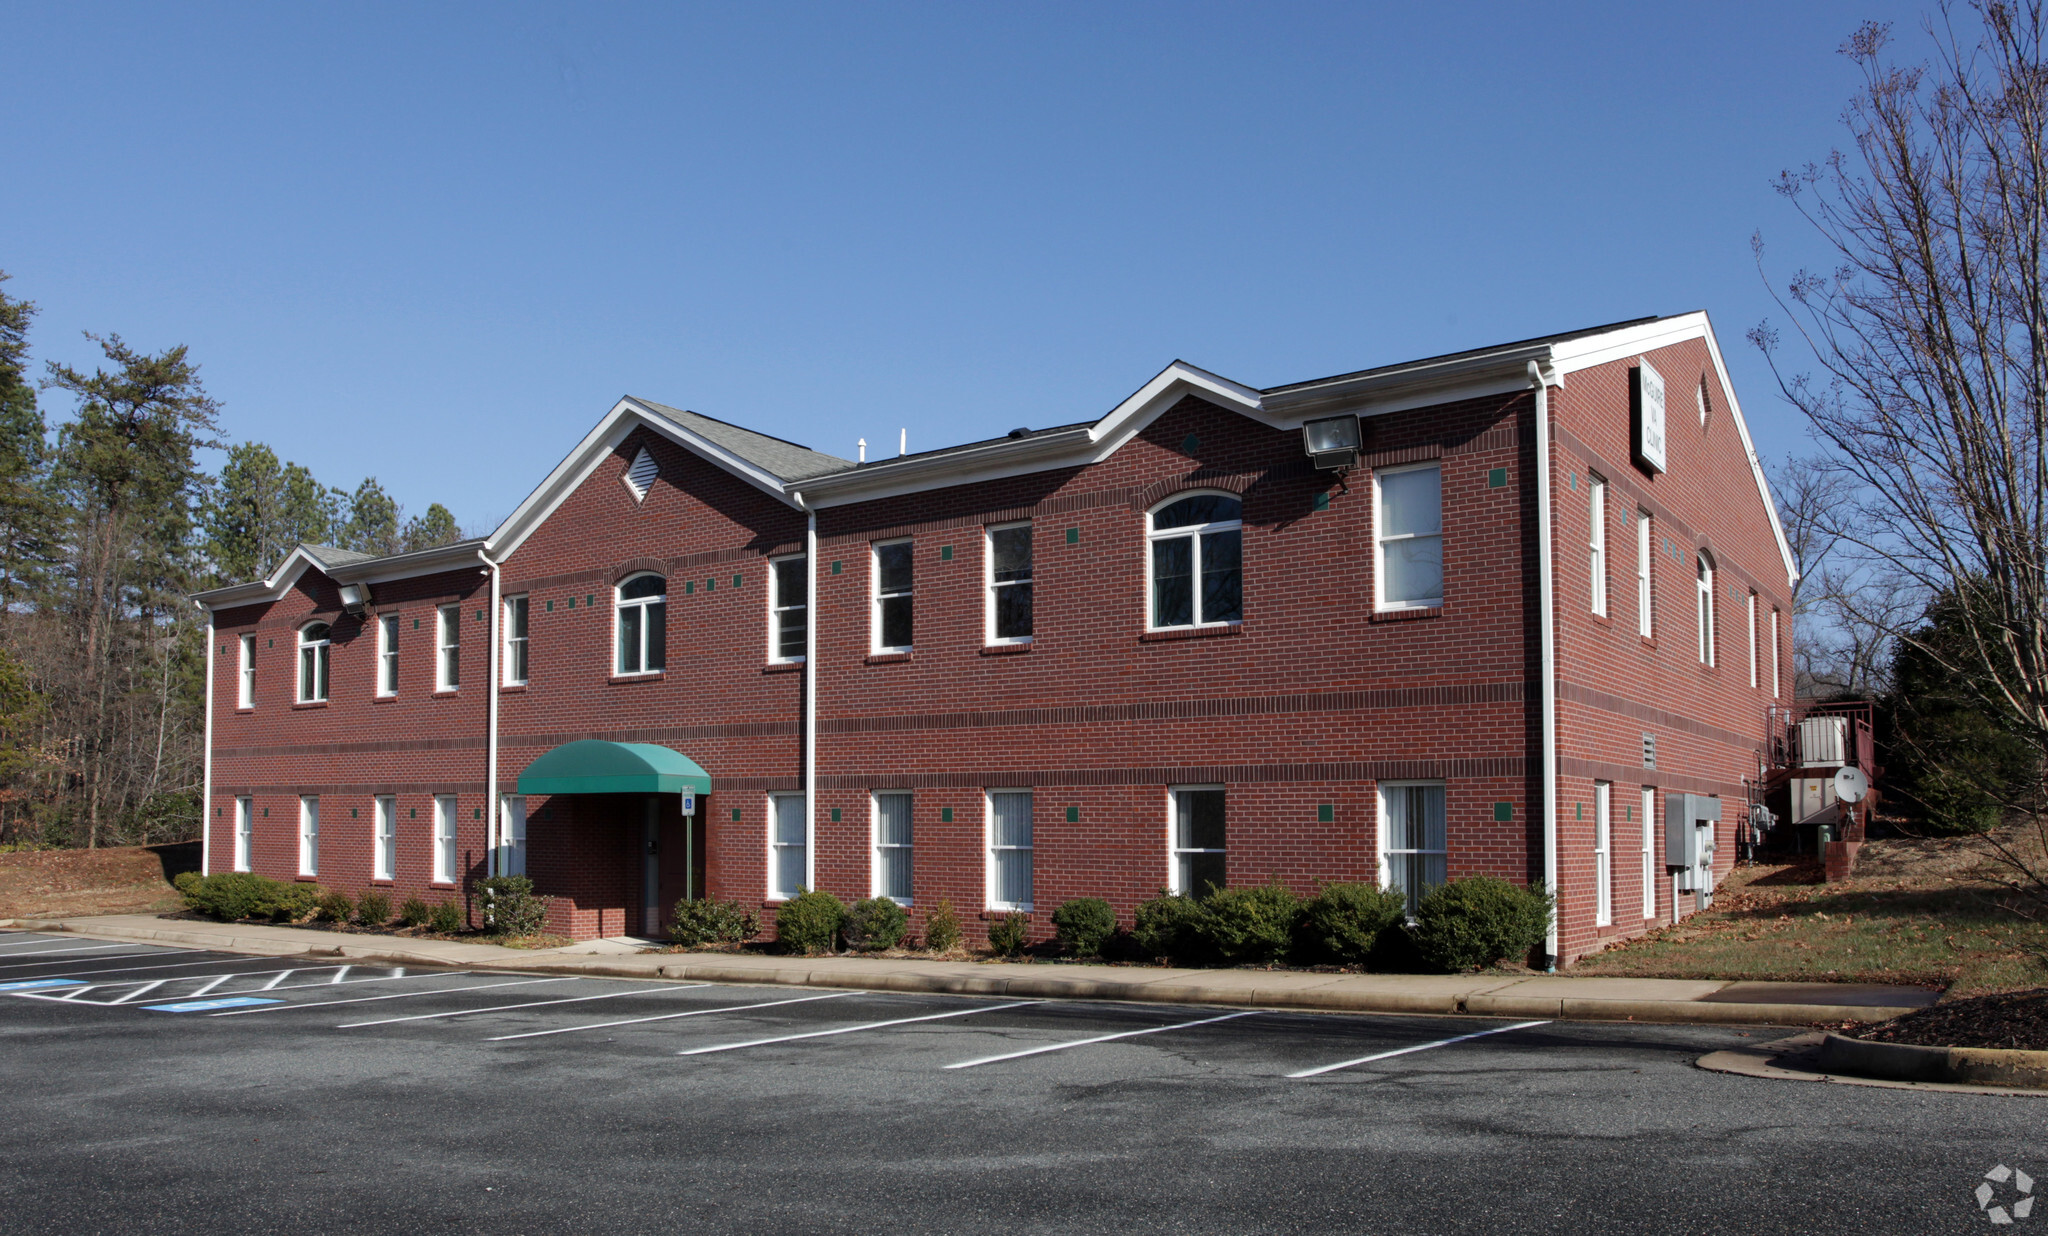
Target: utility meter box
[1689,826]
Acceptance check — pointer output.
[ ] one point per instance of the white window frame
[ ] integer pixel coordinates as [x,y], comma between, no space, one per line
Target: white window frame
[877,845]
[775,847]
[1381,541]
[989,586]
[1703,608]
[989,847]
[245,690]
[1596,511]
[1603,853]
[778,605]
[1752,641]
[512,834]
[1155,534]
[1174,883]
[1645,552]
[1649,810]
[384,837]
[518,648]
[1385,828]
[322,675]
[448,648]
[875,596]
[309,835]
[245,832]
[620,604]
[1776,685]
[387,655]
[447,828]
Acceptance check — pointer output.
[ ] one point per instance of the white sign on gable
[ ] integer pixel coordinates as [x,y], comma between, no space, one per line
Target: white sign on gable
[1646,408]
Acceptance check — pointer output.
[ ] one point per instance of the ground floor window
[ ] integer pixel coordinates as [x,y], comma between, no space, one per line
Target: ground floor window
[1009,849]
[512,836]
[309,835]
[1603,854]
[244,824]
[787,853]
[1412,837]
[444,839]
[385,864]
[1197,839]
[892,846]
[1649,851]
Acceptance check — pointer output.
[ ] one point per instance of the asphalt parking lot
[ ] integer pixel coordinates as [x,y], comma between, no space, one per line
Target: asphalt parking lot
[165,1090]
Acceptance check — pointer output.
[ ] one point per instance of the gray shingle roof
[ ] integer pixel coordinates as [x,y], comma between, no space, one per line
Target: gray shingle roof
[785,460]
[1560,337]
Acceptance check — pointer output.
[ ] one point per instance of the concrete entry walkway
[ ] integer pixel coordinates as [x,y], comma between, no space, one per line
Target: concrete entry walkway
[1489,995]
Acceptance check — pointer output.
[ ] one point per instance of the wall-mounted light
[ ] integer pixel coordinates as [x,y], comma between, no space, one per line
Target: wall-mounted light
[1332,443]
[355,599]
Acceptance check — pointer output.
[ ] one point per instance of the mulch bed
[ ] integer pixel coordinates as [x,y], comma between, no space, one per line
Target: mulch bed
[2018,1020]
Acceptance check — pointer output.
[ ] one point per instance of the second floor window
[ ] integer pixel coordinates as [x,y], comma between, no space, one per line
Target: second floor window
[1197,561]
[245,691]
[448,652]
[387,654]
[1410,537]
[515,641]
[1596,510]
[1704,571]
[1643,542]
[643,625]
[1009,584]
[892,618]
[789,609]
[313,654]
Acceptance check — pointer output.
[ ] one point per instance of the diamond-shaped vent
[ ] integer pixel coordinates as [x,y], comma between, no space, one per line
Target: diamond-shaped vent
[640,477]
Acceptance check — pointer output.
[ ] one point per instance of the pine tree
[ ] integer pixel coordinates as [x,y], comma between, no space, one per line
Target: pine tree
[261,509]
[436,527]
[27,515]
[372,523]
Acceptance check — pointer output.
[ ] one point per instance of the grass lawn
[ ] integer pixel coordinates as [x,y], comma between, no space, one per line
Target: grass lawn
[1919,912]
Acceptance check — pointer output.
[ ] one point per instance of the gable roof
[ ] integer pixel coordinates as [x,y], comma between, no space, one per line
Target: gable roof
[343,566]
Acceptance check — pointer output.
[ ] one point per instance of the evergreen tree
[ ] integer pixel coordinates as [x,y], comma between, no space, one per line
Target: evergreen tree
[261,509]
[436,527]
[27,514]
[372,523]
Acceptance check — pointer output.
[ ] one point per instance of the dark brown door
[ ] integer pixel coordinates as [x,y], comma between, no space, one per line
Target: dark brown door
[679,859]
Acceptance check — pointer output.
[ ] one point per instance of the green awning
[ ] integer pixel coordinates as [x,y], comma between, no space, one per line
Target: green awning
[593,766]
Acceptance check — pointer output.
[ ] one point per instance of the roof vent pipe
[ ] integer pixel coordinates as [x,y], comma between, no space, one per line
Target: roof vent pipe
[903,441]
[863,445]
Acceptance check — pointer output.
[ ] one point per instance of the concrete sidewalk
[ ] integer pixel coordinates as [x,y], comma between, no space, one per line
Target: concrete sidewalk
[1488,995]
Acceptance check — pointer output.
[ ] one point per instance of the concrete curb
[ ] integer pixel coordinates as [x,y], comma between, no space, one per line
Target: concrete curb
[1963,1066]
[1797,1059]
[1242,989]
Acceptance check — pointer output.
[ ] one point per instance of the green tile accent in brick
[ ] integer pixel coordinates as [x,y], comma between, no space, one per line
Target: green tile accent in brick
[352,813]
[216,812]
[266,813]
[551,607]
[836,566]
[710,585]
[476,813]
[1326,813]
[1190,444]
[835,815]
[590,600]
[1497,478]
[945,553]
[1578,811]
[735,581]
[1503,811]
[479,615]
[416,622]
[1073,536]
[1322,502]
[1073,815]
[689,587]
[271,643]
[735,815]
[945,815]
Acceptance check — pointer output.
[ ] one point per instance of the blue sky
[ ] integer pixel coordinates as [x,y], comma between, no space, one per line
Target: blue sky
[433,243]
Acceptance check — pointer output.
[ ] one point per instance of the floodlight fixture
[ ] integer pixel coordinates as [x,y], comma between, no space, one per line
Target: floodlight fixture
[1332,443]
[355,599]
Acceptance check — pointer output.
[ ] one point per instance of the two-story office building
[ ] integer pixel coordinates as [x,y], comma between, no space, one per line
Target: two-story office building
[1525,606]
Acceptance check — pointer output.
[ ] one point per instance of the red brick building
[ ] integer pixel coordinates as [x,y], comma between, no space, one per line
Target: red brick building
[1535,629]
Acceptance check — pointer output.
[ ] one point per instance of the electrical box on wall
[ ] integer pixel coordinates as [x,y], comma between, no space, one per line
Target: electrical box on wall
[1689,821]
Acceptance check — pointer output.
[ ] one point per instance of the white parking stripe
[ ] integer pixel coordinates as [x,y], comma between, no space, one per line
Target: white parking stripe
[873,1025]
[145,989]
[1402,1051]
[31,939]
[72,994]
[402,995]
[93,948]
[1100,1038]
[629,1021]
[534,1004]
[38,965]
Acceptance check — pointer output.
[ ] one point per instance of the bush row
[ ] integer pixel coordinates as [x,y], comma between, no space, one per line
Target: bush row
[232,896]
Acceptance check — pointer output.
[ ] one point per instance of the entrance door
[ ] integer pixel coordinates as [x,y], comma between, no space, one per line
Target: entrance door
[674,867]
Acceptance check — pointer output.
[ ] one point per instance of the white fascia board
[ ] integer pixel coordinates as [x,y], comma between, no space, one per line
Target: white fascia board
[436,561]
[1414,386]
[261,591]
[1633,341]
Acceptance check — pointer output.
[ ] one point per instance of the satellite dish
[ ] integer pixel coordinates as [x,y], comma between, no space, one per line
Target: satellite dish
[1851,785]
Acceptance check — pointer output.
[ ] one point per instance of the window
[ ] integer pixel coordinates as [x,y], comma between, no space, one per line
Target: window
[1197,561]
[448,654]
[643,625]
[246,691]
[891,620]
[309,835]
[1408,567]
[892,847]
[1603,854]
[1198,866]
[245,822]
[1649,851]
[1774,654]
[444,838]
[789,609]
[1009,849]
[384,864]
[640,476]
[1705,399]
[1009,584]
[1412,837]
[1596,513]
[313,659]
[515,641]
[1752,639]
[1643,542]
[1705,574]
[387,654]
[788,865]
[512,835]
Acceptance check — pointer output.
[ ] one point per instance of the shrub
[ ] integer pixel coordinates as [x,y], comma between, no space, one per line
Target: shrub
[412,912]
[1476,921]
[1344,921]
[234,895]
[1007,934]
[1172,925]
[446,917]
[183,881]
[373,909]
[809,922]
[874,924]
[1251,926]
[335,907]
[942,928]
[703,921]
[1084,925]
[510,907]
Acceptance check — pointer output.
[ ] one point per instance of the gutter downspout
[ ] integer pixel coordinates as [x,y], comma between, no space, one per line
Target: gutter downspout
[810,721]
[206,794]
[491,736]
[1546,604]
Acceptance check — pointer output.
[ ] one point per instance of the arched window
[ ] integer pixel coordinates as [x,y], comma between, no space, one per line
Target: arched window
[1196,561]
[1705,569]
[313,651]
[643,625]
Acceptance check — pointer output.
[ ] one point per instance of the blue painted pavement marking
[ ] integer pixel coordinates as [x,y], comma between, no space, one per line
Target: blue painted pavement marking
[225,1002]
[24,984]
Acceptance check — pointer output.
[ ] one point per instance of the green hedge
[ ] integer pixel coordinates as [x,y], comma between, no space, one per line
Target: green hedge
[1084,925]
[809,922]
[1344,922]
[704,921]
[874,924]
[1250,926]
[1006,935]
[942,928]
[234,895]
[1474,922]
[510,907]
